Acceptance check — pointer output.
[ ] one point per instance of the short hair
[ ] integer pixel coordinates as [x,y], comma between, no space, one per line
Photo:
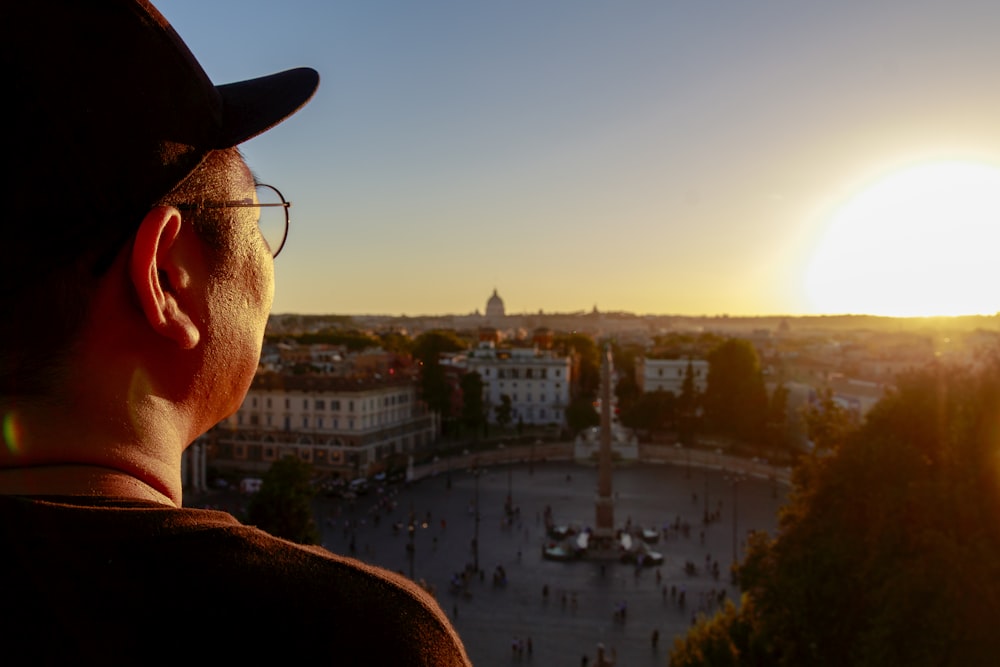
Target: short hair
[211,180]
[46,313]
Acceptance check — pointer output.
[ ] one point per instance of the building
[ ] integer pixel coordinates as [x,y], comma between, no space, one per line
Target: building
[668,374]
[495,311]
[537,382]
[351,426]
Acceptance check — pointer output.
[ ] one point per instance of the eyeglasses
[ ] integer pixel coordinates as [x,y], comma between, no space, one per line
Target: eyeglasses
[273,223]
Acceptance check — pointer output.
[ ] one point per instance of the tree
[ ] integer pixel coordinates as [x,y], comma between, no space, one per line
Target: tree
[580,414]
[827,423]
[428,347]
[354,341]
[886,552]
[392,341]
[776,427]
[727,639]
[504,411]
[434,388]
[688,404]
[588,371]
[473,409]
[735,398]
[652,411]
[626,391]
[283,506]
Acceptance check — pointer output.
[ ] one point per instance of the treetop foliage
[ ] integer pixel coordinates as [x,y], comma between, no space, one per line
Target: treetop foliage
[283,505]
[887,550]
[735,398]
[428,347]
[355,341]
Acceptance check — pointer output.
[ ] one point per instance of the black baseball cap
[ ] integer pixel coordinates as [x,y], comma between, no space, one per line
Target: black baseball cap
[106,111]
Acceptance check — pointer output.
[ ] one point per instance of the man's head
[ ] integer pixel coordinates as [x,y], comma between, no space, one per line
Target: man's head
[109,115]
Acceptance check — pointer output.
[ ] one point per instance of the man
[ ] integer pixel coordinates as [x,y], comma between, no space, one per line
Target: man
[137,283]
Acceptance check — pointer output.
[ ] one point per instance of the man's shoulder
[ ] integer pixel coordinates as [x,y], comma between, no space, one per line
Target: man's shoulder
[241,577]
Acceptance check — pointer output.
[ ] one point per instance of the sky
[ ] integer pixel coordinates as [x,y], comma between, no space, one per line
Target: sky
[658,157]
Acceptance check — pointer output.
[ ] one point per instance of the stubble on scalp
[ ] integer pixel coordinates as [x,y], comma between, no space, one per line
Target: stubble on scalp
[222,176]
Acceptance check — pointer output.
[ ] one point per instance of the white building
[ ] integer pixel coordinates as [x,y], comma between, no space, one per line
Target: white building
[668,374]
[336,424]
[536,381]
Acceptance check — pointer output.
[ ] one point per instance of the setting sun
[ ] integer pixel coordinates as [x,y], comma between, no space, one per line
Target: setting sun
[919,242]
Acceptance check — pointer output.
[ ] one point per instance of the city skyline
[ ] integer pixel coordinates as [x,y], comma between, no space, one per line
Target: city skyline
[664,158]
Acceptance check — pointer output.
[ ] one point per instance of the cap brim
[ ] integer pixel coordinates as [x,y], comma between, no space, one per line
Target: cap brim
[254,106]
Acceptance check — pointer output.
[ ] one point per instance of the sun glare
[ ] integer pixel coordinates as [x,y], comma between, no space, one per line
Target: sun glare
[920,242]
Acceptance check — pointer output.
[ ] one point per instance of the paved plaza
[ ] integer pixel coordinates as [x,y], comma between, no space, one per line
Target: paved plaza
[579,610]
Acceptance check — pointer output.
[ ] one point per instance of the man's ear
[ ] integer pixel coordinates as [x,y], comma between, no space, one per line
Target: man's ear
[161,277]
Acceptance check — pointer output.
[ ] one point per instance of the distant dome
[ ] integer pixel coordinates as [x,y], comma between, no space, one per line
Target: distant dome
[494,307]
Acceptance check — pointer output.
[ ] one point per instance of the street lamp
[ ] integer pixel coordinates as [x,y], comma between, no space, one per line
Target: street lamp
[510,482]
[411,547]
[705,518]
[475,537]
[735,480]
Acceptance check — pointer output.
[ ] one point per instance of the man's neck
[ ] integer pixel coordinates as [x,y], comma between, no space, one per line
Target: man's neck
[77,480]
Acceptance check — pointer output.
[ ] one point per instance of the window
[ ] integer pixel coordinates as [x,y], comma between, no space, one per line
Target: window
[319,422]
[335,405]
[268,401]
[305,403]
[253,402]
[527,374]
[544,373]
[320,404]
[305,422]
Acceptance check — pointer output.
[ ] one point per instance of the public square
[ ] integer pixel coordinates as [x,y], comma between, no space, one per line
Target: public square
[583,597]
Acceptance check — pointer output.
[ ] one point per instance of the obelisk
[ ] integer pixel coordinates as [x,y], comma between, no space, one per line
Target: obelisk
[604,531]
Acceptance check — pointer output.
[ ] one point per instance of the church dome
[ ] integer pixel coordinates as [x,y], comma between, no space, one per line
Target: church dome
[494,307]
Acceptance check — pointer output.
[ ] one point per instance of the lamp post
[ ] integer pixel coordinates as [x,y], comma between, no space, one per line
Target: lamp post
[475,537]
[705,517]
[735,480]
[510,484]
[411,547]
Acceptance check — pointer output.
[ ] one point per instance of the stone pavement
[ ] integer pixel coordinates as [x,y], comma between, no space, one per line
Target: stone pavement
[580,608]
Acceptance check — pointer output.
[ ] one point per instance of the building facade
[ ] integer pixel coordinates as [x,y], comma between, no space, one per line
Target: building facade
[536,381]
[668,374]
[350,426]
